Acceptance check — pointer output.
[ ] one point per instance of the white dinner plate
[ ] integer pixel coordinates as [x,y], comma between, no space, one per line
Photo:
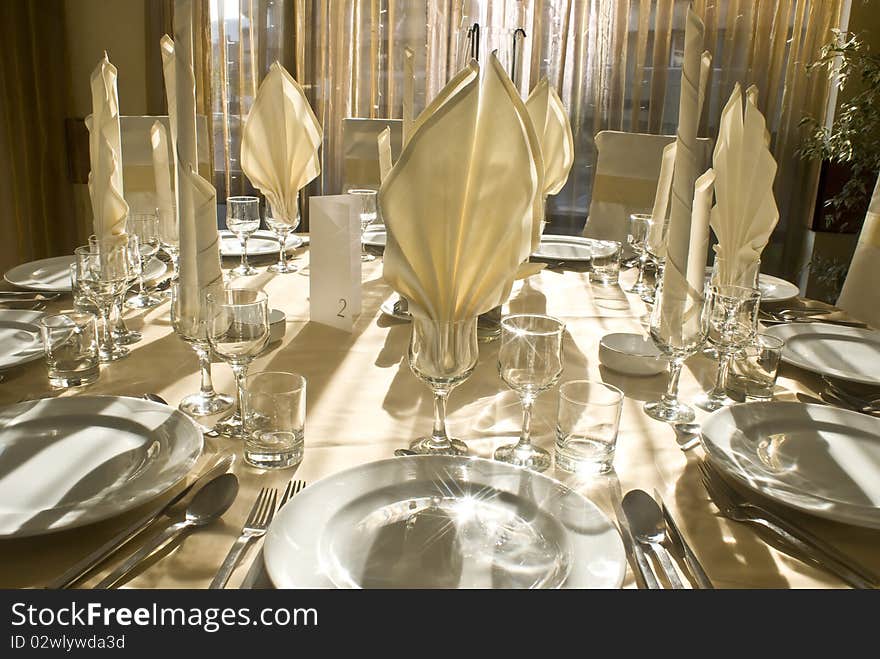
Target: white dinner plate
[260,243]
[20,337]
[375,236]
[819,459]
[569,248]
[442,522]
[53,275]
[66,462]
[773,289]
[847,353]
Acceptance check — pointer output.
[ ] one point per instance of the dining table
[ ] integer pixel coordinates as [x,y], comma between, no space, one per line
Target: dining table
[363,402]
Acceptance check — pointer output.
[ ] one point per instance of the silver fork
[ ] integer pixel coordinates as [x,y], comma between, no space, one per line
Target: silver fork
[293,488]
[808,547]
[254,527]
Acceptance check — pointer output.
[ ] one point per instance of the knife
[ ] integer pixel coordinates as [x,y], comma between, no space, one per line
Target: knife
[102,553]
[649,579]
[682,547]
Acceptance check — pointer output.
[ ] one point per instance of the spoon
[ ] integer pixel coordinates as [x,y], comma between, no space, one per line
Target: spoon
[687,435]
[206,431]
[648,527]
[209,503]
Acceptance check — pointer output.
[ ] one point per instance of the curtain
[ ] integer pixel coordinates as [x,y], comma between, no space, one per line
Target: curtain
[38,218]
[615,64]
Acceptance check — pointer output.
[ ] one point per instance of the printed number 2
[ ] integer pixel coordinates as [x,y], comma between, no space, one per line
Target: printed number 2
[343,304]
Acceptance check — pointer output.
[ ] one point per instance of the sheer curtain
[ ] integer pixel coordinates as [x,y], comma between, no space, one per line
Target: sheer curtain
[615,63]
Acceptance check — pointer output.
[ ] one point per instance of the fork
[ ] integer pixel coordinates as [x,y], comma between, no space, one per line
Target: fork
[809,548]
[255,526]
[864,404]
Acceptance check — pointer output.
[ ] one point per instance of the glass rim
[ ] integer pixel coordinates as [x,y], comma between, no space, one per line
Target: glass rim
[240,199]
[362,191]
[505,324]
[618,393]
[72,313]
[261,296]
[754,292]
[300,380]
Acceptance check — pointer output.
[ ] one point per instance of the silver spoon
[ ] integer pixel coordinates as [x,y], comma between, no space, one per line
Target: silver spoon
[208,504]
[648,527]
[687,435]
[206,431]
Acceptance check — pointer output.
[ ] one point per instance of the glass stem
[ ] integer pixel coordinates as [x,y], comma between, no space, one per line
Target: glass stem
[107,338]
[175,265]
[244,241]
[643,261]
[525,437]
[240,372]
[720,388]
[282,240]
[207,386]
[670,398]
[438,434]
[120,323]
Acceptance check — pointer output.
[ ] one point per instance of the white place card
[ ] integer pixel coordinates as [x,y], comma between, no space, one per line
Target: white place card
[334,261]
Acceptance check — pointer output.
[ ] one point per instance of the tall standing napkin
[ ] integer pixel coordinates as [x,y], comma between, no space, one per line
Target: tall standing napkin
[557,143]
[459,202]
[109,208]
[860,296]
[745,213]
[280,142]
[162,175]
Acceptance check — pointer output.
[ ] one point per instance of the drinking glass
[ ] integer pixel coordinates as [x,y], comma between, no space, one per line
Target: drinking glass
[191,328]
[121,334]
[587,421]
[238,330]
[80,301]
[281,227]
[639,227]
[102,274]
[529,362]
[732,321]
[655,246]
[678,329]
[71,342]
[169,241]
[753,373]
[242,219]
[275,411]
[605,262]
[443,354]
[744,276]
[366,202]
[146,227]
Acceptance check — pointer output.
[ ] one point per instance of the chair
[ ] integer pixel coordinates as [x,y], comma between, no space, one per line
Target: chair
[860,296]
[137,158]
[627,169]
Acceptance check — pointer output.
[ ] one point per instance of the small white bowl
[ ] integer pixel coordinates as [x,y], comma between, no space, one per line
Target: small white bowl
[277,325]
[632,354]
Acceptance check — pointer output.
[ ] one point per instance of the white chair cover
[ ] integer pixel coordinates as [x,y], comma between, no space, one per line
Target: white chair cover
[860,296]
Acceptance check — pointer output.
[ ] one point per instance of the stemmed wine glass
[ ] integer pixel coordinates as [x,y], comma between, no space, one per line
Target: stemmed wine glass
[655,246]
[169,241]
[732,322]
[146,227]
[443,354]
[530,362]
[678,329]
[121,334]
[366,202]
[639,227]
[102,271]
[281,227]
[238,330]
[242,219]
[190,326]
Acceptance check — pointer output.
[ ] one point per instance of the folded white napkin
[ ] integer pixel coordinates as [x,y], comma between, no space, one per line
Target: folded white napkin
[860,296]
[280,142]
[162,174]
[109,208]
[745,213]
[459,203]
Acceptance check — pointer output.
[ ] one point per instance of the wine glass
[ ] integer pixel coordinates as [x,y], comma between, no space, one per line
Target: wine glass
[146,227]
[443,354]
[102,271]
[238,330]
[169,240]
[530,362]
[732,322]
[281,227]
[678,329]
[639,227]
[189,325]
[655,246]
[121,334]
[367,205]
[242,219]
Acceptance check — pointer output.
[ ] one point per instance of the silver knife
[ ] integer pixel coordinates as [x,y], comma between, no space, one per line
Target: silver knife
[102,553]
[646,572]
[690,558]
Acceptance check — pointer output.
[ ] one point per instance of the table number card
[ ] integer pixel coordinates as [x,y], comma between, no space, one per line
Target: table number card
[334,261]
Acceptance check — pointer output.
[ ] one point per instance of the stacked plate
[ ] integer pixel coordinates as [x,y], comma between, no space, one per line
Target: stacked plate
[261,243]
[53,275]
[442,522]
[20,338]
[773,289]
